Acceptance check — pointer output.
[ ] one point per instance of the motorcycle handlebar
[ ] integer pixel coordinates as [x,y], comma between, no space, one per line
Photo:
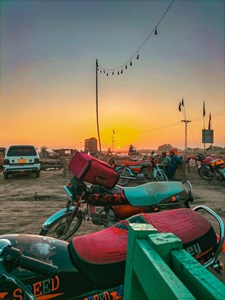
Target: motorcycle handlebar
[13,258]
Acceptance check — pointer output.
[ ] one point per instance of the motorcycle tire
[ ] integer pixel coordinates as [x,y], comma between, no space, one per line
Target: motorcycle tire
[147,172]
[123,181]
[222,181]
[205,172]
[161,176]
[56,230]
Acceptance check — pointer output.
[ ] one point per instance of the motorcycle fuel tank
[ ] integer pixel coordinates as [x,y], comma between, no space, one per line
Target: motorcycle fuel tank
[66,284]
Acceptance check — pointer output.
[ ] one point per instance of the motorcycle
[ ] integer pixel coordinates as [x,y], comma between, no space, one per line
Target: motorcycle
[93,266]
[104,207]
[144,170]
[210,168]
[93,195]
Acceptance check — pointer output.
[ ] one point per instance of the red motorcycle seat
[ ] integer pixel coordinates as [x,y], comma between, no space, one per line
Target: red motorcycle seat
[102,255]
[109,245]
[102,247]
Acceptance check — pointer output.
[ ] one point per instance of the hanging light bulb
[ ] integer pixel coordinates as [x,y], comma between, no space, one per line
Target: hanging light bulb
[131,63]
[138,56]
[156,32]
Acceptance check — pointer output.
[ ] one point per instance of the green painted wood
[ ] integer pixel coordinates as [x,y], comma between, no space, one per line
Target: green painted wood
[158,268]
[163,243]
[135,231]
[157,279]
[139,273]
[203,284]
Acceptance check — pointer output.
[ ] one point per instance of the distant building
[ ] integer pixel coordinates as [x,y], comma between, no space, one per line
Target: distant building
[65,152]
[90,145]
[165,147]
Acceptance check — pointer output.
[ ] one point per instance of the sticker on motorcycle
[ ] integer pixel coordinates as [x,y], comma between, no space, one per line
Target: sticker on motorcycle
[115,294]
[41,289]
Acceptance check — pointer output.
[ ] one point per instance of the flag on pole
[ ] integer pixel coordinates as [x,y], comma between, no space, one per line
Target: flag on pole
[209,126]
[179,107]
[203,108]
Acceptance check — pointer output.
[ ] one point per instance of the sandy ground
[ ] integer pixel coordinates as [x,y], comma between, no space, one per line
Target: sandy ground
[26,202]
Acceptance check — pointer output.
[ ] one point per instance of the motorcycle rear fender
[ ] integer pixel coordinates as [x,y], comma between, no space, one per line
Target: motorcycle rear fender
[127,169]
[57,216]
[220,238]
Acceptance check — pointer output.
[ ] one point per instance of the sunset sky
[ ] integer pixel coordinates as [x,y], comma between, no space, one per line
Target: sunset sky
[48,72]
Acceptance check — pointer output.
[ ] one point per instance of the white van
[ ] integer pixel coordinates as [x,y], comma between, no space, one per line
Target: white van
[21,159]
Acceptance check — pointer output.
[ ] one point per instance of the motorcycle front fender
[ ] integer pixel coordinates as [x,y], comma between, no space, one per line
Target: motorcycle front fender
[127,169]
[57,216]
[204,166]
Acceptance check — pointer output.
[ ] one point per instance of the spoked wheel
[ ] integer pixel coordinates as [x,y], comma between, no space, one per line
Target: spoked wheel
[112,161]
[63,228]
[122,179]
[222,181]
[161,176]
[147,172]
[205,172]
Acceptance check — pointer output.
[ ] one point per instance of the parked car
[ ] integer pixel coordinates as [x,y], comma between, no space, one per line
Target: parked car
[21,159]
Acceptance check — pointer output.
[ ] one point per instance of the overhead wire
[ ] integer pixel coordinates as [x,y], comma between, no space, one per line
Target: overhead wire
[120,69]
[175,124]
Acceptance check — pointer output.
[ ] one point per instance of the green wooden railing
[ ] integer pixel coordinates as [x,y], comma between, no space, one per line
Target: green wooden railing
[158,268]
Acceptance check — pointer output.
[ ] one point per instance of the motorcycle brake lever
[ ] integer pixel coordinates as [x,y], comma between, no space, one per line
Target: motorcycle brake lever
[14,258]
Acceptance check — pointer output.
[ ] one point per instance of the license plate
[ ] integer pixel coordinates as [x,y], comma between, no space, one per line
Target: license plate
[22,161]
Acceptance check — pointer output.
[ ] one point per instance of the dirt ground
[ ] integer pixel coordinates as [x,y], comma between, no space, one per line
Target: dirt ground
[26,202]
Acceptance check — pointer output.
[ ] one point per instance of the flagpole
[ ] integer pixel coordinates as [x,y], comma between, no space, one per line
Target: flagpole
[98,131]
[204,120]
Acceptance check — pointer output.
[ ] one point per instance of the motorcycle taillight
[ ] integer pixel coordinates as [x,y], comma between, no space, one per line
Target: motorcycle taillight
[223,245]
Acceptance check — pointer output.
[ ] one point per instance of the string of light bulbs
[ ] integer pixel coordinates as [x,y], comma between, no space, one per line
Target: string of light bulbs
[120,69]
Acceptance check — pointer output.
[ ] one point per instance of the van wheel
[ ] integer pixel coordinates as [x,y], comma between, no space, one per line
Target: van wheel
[37,174]
[6,175]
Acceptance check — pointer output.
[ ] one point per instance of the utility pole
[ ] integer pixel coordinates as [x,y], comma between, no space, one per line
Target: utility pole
[113,140]
[181,108]
[185,123]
